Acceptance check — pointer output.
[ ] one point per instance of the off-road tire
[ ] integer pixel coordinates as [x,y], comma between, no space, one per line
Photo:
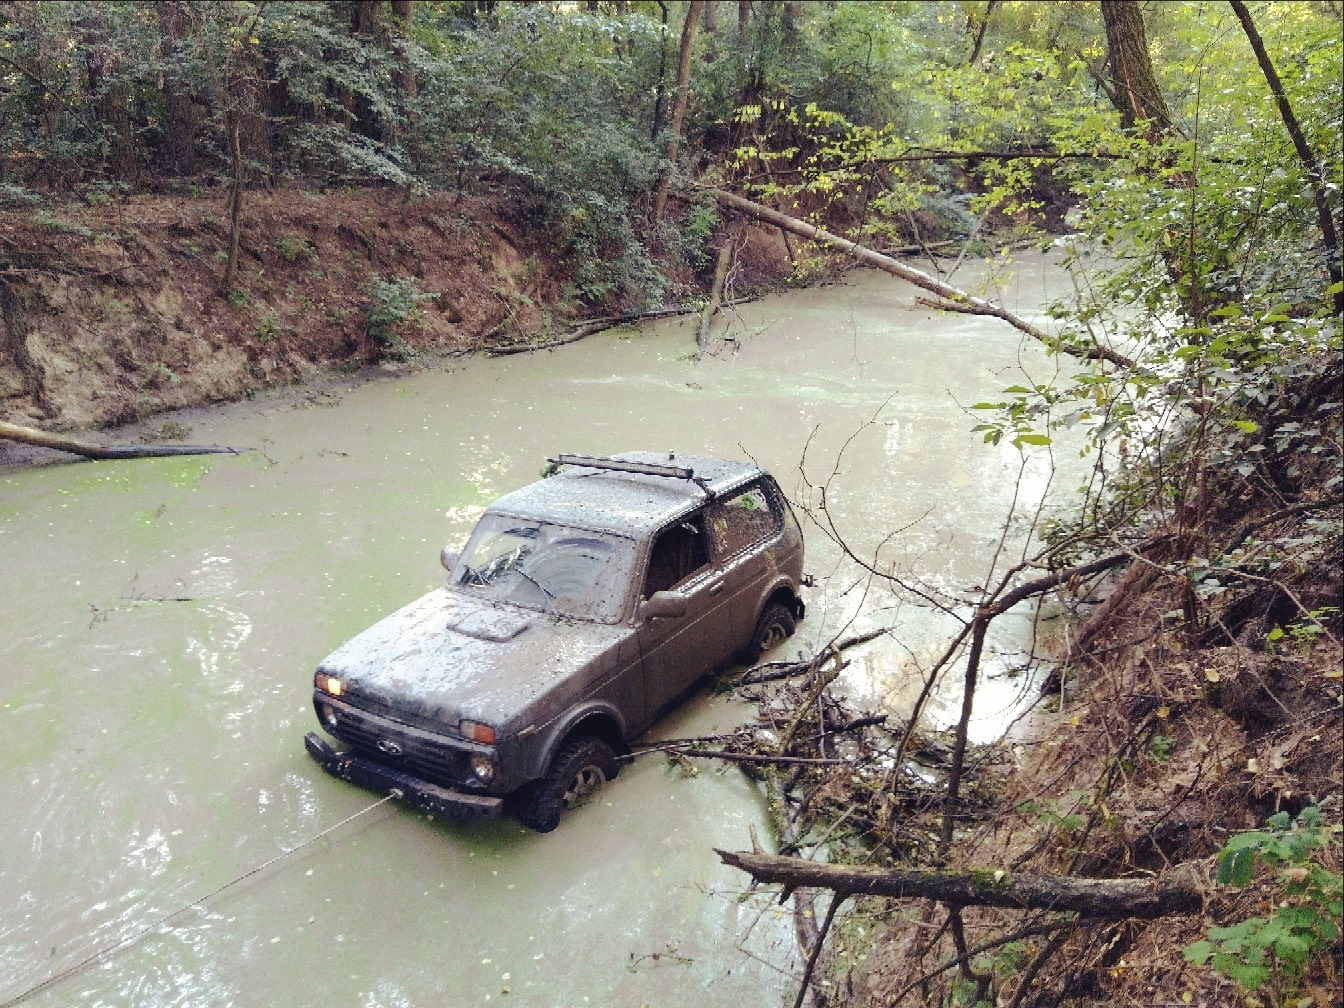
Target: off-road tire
[774,627]
[579,771]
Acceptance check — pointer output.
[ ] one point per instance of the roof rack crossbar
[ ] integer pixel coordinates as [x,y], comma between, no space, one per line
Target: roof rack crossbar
[621,465]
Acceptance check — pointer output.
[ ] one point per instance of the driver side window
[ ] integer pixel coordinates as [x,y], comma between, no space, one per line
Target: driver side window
[678,552]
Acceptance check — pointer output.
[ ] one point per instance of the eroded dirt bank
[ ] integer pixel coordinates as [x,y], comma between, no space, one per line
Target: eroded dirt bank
[112,313]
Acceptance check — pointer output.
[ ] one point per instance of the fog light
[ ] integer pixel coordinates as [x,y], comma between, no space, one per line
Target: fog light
[327,715]
[483,767]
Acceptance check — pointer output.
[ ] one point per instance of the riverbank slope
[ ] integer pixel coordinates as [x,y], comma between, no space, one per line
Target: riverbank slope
[113,312]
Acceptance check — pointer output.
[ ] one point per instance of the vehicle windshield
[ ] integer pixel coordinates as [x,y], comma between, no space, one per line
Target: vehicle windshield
[551,568]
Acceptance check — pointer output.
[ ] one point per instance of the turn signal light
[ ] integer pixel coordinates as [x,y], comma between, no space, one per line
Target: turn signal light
[328,684]
[476,732]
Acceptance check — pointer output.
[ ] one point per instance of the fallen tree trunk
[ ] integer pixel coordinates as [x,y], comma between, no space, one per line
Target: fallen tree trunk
[60,442]
[954,299]
[715,297]
[1113,899]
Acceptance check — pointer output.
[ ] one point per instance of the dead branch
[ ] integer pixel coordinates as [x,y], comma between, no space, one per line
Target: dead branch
[1113,899]
[89,450]
[590,326]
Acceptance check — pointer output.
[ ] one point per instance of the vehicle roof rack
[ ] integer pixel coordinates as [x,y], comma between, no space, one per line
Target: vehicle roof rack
[623,465]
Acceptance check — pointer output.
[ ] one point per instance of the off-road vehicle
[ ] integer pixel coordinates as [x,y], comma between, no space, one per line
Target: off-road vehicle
[583,607]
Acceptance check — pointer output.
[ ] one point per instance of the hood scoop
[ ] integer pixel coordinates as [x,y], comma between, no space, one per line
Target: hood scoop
[495,627]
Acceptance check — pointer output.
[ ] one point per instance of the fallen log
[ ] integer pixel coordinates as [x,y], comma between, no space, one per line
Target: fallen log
[1113,899]
[954,299]
[60,442]
[715,297]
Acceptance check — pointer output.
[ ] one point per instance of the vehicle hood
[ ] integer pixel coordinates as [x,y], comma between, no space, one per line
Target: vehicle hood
[447,656]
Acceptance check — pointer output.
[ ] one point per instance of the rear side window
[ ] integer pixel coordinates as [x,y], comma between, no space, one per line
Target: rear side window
[743,519]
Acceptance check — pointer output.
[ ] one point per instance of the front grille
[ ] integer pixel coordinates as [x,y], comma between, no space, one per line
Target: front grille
[431,757]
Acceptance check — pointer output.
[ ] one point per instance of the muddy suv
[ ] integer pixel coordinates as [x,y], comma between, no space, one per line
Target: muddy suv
[582,608]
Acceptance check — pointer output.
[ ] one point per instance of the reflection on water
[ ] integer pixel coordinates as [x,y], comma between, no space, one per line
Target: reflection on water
[164,617]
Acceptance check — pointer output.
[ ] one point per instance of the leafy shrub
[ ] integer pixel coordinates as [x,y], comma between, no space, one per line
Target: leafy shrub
[391,303]
[1307,921]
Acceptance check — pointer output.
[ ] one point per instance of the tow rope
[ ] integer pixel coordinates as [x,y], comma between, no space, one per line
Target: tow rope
[127,942]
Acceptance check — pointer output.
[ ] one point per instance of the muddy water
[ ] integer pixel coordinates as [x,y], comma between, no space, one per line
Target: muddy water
[162,618]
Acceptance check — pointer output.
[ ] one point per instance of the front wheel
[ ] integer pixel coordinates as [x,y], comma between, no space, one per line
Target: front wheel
[579,771]
[774,627]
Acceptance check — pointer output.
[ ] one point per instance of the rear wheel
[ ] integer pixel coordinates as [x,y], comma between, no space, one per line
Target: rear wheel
[775,626]
[579,771]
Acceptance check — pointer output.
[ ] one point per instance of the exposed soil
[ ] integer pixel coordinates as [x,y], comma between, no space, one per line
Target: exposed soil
[113,313]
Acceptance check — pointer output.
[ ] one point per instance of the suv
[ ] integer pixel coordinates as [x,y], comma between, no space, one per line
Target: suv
[583,607]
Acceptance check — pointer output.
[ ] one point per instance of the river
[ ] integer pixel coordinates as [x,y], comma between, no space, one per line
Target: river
[163,617]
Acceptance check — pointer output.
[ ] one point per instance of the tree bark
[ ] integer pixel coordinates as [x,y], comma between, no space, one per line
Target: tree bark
[1114,899]
[1324,218]
[955,299]
[678,105]
[59,442]
[1136,94]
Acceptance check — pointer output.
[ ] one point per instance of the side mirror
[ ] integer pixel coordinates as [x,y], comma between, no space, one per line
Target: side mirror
[448,557]
[663,605]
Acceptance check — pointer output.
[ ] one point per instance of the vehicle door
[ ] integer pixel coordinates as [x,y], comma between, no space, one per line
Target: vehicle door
[743,526]
[678,650]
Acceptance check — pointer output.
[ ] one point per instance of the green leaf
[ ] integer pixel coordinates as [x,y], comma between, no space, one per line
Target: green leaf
[1237,867]
[1198,952]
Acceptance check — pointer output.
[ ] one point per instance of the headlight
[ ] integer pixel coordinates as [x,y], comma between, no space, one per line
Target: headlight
[476,732]
[329,683]
[327,715]
[483,767]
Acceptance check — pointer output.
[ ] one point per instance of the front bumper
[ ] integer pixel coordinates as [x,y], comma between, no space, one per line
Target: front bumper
[421,794]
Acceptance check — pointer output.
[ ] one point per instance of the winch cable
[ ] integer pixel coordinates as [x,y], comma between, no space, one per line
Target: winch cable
[127,942]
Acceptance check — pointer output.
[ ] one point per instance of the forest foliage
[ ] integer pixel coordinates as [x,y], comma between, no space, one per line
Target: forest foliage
[1192,150]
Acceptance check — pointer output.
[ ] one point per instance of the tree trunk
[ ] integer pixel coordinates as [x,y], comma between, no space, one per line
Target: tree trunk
[678,105]
[179,148]
[59,442]
[1115,899]
[104,64]
[235,201]
[659,88]
[981,25]
[403,20]
[367,27]
[1136,94]
[1310,165]
[953,298]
